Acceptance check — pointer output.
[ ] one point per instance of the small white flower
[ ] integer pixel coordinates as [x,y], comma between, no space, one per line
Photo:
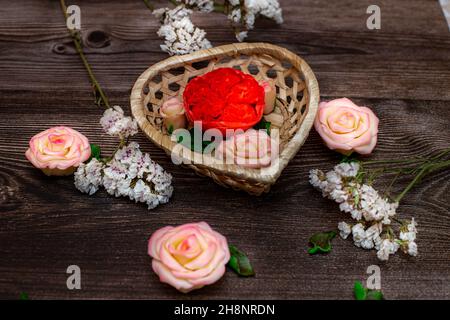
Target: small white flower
[407,236]
[412,248]
[115,123]
[333,178]
[202,5]
[88,177]
[244,13]
[346,207]
[367,244]
[235,15]
[387,247]
[339,195]
[241,36]
[358,233]
[347,169]
[356,214]
[180,34]
[345,230]
[268,8]
[317,178]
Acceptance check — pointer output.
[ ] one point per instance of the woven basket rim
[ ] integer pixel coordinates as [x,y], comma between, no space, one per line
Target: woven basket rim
[265,175]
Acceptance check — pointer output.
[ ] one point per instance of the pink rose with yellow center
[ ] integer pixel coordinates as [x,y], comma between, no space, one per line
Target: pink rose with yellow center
[251,149]
[346,127]
[58,151]
[189,256]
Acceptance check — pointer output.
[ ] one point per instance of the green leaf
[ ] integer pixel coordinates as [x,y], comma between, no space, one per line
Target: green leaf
[375,295]
[362,293]
[359,291]
[321,242]
[195,148]
[263,124]
[23,296]
[349,158]
[95,152]
[240,263]
[170,129]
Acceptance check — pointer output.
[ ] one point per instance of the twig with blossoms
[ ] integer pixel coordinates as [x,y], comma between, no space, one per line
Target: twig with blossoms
[181,36]
[100,96]
[128,171]
[350,185]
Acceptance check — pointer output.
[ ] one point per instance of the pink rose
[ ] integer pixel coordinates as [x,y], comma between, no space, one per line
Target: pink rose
[252,149]
[58,151]
[189,256]
[270,95]
[345,127]
[172,112]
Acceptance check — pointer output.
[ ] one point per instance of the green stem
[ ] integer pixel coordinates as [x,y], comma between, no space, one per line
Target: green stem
[219,7]
[88,68]
[426,169]
[149,5]
[408,161]
[440,155]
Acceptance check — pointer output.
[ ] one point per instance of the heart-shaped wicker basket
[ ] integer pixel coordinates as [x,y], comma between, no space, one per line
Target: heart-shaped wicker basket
[296,105]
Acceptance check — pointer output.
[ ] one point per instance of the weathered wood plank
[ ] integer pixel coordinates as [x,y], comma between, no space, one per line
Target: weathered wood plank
[402,71]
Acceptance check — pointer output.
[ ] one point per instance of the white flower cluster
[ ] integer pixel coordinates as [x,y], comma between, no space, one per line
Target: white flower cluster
[130,173]
[201,5]
[243,14]
[371,211]
[116,124]
[88,177]
[179,33]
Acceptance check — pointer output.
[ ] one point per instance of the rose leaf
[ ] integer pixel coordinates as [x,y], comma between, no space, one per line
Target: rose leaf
[95,152]
[362,293]
[263,125]
[359,291]
[321,242]
[240,263]
[23,296]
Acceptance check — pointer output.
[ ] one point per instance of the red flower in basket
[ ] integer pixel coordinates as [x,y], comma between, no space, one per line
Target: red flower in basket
[224,99]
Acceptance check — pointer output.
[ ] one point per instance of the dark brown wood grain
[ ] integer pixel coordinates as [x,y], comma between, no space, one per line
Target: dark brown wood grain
[402,71]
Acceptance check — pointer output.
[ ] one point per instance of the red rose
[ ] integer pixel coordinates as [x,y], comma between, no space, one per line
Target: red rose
[224,99]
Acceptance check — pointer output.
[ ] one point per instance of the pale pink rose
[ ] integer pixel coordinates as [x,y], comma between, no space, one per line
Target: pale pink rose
[189,256]
[270,95]
[345,127]
[58,151]
[172,112]
[251,149]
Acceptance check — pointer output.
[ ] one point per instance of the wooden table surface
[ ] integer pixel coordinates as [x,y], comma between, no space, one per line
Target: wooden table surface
[402,71]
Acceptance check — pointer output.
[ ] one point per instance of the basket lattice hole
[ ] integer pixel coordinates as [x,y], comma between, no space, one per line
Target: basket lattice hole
[289,81]
[146,90]
[272,74]
[159,95]
[288,99]
[303,109]
[253,69]
[176,71]
[157,79]
[286,65]
[174,87]
[200,64]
